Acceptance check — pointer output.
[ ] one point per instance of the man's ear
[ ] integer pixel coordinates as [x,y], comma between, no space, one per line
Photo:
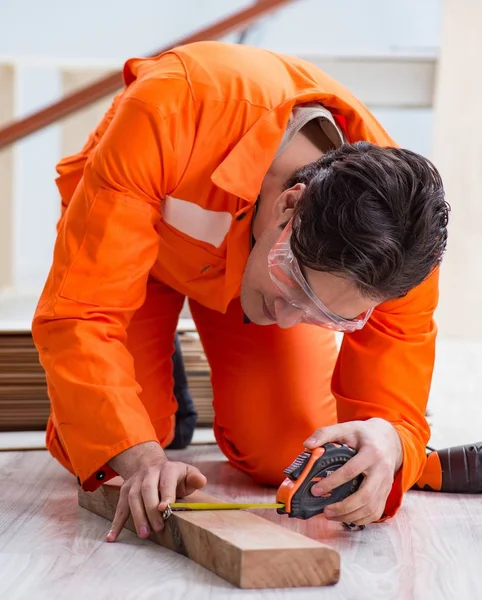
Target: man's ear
[286,202]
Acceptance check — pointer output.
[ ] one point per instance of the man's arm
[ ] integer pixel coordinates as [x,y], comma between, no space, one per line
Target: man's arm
[385,371]
[381,382]
[107,243]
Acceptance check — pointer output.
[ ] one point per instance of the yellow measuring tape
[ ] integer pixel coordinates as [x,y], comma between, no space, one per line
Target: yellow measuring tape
[220,506]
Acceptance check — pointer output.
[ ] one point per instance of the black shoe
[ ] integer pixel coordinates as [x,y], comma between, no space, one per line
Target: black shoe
[186,415]
[185,426]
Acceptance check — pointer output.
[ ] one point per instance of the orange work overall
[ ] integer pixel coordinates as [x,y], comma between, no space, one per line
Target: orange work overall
[158,207]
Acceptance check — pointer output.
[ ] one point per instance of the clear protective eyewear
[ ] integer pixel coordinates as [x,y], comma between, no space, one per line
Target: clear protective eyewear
[288,278]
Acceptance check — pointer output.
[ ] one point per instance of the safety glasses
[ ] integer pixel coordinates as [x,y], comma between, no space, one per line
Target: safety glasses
[288,278]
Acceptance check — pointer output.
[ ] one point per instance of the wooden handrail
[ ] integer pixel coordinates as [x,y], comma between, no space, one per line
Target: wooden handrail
[111,83]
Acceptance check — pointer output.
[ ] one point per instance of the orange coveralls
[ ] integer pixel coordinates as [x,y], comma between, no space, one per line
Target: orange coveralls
[157,206]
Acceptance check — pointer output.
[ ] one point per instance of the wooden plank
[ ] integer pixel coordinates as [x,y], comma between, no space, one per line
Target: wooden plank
[241,547]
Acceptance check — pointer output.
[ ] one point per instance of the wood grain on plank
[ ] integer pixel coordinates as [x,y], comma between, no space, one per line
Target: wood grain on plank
[242,548]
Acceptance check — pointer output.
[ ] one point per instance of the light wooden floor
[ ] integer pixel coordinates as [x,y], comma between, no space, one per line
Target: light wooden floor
[50,549]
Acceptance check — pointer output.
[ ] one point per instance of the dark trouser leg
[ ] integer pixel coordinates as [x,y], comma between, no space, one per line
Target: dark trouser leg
[186,415]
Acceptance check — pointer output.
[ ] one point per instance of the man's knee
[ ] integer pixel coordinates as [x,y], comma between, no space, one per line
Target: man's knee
[265,463]
[268,472]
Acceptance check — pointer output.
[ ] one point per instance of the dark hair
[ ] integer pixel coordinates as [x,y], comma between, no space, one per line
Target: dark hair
[376,215]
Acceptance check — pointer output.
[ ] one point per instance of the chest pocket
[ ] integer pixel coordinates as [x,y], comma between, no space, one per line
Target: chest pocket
[193,240]
[198,223]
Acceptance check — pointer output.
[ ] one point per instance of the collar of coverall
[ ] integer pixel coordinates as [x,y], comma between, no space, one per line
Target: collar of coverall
[304,113]
[242,171]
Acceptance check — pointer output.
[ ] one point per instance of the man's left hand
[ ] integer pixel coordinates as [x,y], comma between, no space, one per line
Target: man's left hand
[379,457]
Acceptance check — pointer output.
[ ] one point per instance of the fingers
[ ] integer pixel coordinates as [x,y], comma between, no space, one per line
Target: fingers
[192,480]
[364,506]
[130,502]
[341,432]
[357,465]
[138,511]
[368,510]
[140,495]
[179,480]
[168,484]
[120,517]
[140,498]
[378,457]
[363,516]
[150,499]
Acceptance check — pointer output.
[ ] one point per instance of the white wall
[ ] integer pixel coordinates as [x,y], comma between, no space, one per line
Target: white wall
[35,204]
[105,30]
[114,29]
[40,36]
[411,128]
[356,27]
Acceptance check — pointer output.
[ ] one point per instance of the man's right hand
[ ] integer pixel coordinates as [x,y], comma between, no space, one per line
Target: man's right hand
[151,482]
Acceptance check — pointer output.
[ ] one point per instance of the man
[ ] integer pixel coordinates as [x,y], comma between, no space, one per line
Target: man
[262,190]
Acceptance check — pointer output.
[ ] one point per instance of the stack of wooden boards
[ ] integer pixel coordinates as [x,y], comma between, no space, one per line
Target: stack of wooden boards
[198,376]
[24,404]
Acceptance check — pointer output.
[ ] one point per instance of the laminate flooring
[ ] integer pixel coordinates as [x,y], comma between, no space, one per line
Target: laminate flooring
[432,550]
[50,548]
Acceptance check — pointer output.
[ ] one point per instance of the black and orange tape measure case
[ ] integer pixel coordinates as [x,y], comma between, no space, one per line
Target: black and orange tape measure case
[305,471]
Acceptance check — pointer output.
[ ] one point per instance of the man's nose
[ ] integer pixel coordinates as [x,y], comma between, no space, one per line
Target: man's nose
[286,314]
